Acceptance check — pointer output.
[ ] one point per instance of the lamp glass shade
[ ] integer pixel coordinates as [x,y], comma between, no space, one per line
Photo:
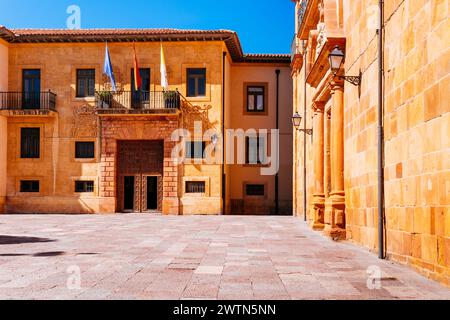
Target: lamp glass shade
[296,120]
[214,139]
[336,58]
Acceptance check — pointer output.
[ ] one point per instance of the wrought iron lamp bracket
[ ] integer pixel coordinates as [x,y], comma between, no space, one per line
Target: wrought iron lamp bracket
[354,80]
[307,131]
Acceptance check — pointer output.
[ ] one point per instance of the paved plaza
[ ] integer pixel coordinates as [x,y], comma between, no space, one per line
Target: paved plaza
[157,257]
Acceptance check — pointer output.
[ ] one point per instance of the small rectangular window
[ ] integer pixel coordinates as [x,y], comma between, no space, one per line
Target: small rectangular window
[195,149]
[30,143]
[31,186]
[255,150]
[195,187]
[84,186]
[84,150]
[196,82]
[256,99]
[85,83]
[253,190]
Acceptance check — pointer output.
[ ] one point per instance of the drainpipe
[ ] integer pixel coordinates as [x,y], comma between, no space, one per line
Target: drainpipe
[277,177]
[381,219]
[224,181]
[304,140]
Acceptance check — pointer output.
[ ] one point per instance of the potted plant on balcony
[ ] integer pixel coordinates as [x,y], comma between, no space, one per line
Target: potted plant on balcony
[171,100]
[104,99]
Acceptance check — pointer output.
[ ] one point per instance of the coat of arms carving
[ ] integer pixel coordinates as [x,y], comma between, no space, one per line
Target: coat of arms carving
[85,122]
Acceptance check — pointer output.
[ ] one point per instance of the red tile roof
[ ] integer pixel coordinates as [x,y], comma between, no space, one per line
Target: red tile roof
[230,38]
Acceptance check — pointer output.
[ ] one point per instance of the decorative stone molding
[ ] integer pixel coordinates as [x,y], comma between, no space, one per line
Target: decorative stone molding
[85,122]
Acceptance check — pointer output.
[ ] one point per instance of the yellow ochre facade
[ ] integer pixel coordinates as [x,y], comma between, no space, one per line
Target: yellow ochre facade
[127,134]
[342,152]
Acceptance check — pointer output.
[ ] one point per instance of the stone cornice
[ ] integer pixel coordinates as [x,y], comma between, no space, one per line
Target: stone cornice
[321,64]
[310,18]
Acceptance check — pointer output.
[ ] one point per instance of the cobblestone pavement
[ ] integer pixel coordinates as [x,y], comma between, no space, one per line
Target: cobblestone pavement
[156,257]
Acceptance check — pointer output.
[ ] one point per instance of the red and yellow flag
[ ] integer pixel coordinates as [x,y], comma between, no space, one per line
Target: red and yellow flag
[137,74]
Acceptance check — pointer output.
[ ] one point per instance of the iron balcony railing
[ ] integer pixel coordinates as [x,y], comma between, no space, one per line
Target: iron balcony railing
[301,13]
[28,101]
[139,100]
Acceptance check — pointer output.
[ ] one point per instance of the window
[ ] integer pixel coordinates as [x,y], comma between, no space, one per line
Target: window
[84,150]
[255,150]
[84,186]
[31,85]
[85,83]
[30,143]
[196,82]
[195,186]
[29,186]
[256,96]
[195,149]
[255,190]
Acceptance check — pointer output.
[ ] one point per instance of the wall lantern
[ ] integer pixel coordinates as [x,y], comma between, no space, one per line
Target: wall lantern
[297,121]
[215,139]
[336,59]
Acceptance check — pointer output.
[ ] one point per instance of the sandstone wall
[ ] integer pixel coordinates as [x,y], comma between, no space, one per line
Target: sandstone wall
[3,122]
[417,131]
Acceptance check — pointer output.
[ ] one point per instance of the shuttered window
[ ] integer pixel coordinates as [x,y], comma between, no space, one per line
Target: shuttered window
[30,143]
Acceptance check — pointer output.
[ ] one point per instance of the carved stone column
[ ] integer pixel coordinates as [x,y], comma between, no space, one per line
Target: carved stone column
[318,203]
[335,204]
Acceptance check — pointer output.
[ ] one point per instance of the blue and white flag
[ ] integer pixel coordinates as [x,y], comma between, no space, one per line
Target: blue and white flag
[108,70]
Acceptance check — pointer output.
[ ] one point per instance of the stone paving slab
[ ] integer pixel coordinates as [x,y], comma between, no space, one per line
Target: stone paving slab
[138,256]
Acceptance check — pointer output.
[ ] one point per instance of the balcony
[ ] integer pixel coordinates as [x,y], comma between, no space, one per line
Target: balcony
[143,102]
[27,103]
[296,54]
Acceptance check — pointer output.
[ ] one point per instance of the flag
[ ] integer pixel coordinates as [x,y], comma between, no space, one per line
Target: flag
[137,73]
[108,70]
[164,81]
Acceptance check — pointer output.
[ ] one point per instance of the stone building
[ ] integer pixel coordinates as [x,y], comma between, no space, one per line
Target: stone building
[342,152]
[70,144]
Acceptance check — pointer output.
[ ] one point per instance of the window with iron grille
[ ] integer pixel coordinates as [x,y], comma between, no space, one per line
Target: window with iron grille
[31,186]
[84,150]
[255,190]
[30,143]
[195,149]
[195,187]
[85,83]
[84,186]
[196,82]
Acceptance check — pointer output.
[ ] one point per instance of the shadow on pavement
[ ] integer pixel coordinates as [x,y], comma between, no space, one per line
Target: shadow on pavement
[5,240]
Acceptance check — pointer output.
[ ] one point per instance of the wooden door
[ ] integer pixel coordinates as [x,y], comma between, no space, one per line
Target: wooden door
[140,168]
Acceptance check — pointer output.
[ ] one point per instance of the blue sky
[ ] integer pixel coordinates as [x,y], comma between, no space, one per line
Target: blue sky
[264,26]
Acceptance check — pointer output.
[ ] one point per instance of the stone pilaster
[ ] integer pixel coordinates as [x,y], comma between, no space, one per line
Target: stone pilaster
[3,160]
[335,204]
[318,203]
[171,202]
[107,189]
